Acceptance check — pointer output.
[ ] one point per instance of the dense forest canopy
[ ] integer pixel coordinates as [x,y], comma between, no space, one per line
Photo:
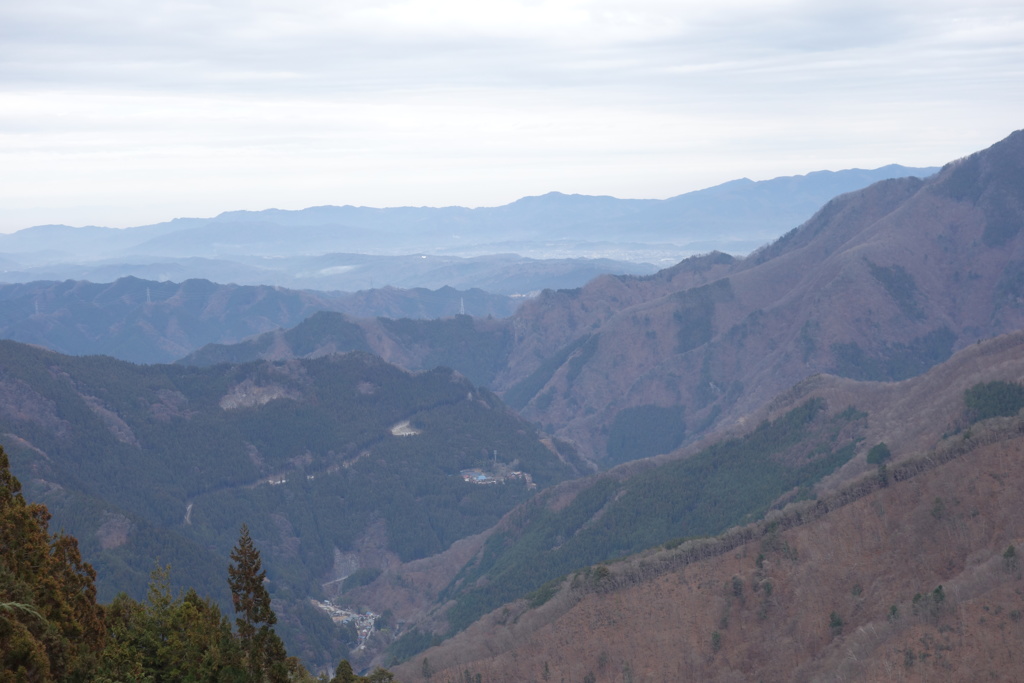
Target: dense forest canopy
[53,629]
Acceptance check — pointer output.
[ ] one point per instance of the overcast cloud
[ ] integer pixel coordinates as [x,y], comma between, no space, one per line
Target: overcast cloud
[118,112]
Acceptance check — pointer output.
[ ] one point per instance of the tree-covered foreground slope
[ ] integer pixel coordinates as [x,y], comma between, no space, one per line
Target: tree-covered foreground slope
[52,629]
[336,464]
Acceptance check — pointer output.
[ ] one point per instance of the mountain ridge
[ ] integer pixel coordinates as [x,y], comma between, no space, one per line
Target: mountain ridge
[291,248]
[880,284]
[145,321]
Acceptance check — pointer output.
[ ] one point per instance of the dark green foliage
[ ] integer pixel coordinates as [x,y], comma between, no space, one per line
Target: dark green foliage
[808,343]
[835,623]
[930,605]
[696,312]
[544,593]
[169,639]
[344,673]
[379,675]
[51,628]
[729,483]
[309,632]
[321,329]
[359,577]
[878,454]
[506,560]
[324,328]
[894,362]
[173,448]
[461,343]
[411,643]
[993,399]
[643,431]
[263,653]
[1010,561]
[899,284]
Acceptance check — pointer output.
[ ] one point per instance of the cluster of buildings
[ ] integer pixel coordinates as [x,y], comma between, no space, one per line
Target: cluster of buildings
[363,621]
[479,476]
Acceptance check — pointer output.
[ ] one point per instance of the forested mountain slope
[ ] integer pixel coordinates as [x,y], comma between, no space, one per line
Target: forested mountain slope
[336,464]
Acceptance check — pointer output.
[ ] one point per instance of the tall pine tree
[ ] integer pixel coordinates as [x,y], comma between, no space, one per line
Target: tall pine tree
[265,656]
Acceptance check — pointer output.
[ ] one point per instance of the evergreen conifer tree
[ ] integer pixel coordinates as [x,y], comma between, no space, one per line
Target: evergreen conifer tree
[265,656]
[50,625]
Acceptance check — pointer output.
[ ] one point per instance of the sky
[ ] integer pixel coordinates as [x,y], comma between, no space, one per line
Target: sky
[130,112]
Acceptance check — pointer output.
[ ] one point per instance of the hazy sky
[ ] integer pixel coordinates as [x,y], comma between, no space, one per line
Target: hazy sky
[125,112]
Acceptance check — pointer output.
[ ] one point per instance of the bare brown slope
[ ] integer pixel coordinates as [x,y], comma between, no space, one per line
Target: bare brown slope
[880,284]
[847,588]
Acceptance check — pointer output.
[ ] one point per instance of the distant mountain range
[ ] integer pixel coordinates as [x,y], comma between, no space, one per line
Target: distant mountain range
[547,242]
[145,321]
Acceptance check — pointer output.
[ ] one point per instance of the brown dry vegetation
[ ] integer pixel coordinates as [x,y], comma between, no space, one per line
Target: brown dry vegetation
[859,288]
[910,416]
[775,596]
[409,589]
